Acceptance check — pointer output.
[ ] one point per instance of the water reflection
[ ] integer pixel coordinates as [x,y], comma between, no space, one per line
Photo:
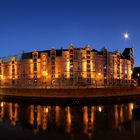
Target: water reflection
[13,112]
[68,119]
[1,111]
[84,121]
[88,118]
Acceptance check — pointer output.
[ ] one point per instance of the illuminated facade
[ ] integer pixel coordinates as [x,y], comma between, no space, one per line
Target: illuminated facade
[67,67]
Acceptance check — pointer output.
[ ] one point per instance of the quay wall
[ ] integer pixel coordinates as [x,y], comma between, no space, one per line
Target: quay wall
[70,93]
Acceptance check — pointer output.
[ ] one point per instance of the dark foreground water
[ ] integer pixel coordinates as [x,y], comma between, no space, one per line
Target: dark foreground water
[72,120]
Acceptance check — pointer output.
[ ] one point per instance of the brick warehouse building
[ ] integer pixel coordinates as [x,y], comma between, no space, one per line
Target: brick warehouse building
[67,67]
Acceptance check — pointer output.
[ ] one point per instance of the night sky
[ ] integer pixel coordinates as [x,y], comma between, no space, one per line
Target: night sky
[45,24]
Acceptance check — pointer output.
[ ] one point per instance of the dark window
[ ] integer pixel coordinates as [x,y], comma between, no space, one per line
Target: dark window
[53,57]
[53,63]
[71,51]
[13,82]
[88,75]
[35,76]
[35,68]
[71,61]
[71,74]
[71,78]
[79,68]
[53,54]
[71,57]
[53,71]
[35,60]
[88,52]
[88,61]
[35,56]
[35,64]
[88,66]
[71,69]
[13,70]
[53,67]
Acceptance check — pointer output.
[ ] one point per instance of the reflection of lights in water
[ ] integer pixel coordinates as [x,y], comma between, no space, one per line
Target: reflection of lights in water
[69,115]
[132,106]
[100,109]
[47,109]
[13,122]
[68,128]
[1,104]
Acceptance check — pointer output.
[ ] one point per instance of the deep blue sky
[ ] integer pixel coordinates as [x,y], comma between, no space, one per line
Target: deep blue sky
[43,24]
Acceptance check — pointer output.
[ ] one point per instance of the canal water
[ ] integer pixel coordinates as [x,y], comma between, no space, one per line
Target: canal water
[79,121]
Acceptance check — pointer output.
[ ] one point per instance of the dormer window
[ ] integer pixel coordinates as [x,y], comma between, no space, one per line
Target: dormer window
[88,52]
[71,51]
[35,55]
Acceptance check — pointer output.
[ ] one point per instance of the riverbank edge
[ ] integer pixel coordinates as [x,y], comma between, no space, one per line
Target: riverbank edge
[71,92]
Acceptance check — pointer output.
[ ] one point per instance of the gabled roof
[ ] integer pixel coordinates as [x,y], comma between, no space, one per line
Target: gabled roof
[45,51]
[8,58]
[26,55]
[59,52]
[93,50]
[122,57]
[127,53]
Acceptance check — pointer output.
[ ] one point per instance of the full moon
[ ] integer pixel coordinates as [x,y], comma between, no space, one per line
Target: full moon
[126,35]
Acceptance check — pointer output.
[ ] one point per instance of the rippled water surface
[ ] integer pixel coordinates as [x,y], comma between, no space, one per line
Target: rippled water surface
[88,121]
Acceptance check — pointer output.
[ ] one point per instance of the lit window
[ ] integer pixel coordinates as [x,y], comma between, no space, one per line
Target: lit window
[125,71]
[71,66]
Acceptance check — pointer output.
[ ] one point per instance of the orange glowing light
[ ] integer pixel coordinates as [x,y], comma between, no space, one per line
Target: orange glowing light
[47,109]
[99,74]
[100,109]
[1,104]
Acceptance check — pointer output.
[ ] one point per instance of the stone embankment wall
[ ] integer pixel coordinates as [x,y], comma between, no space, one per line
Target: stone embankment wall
[71,93]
